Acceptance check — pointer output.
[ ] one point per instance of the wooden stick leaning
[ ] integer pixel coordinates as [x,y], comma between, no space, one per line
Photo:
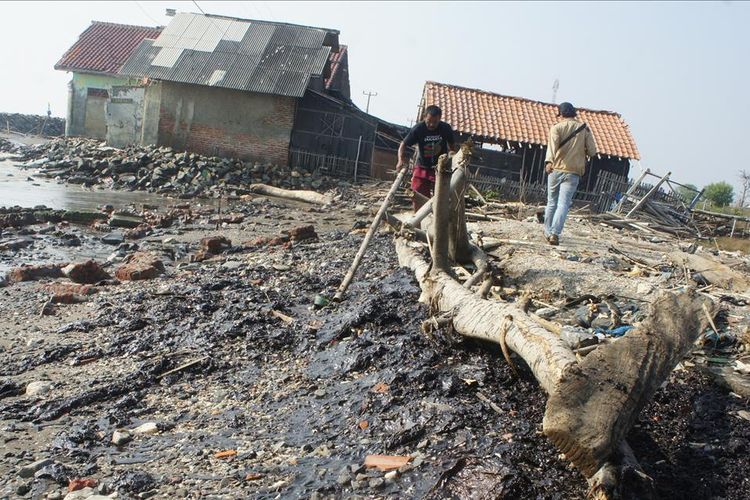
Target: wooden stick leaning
[370,232]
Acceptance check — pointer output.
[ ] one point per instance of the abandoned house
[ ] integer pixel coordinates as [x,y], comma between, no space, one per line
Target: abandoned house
[222,86]
[511,135]
[95,61]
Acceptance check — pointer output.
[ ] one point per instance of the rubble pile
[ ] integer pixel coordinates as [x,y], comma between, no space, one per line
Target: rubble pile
[193,351]
[7,146]
[162,170]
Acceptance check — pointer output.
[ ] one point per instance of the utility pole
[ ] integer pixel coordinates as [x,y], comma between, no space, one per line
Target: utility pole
[369,95]
[555,86]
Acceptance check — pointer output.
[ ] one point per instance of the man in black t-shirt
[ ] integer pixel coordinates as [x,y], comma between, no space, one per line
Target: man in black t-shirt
[433,138]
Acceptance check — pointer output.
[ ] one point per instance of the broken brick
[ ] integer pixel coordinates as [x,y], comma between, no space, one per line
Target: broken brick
[88,272]
[69,288]
[79,484]
[215,244]
[140,266]
[31,273]
[302,233]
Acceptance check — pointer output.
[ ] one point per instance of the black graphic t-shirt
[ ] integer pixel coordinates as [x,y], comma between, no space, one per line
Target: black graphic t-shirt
[431,143]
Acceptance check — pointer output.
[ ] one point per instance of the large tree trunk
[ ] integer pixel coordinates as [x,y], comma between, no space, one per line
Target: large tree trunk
[591,404]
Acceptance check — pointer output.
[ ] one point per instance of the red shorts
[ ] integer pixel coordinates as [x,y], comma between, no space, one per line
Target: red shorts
[423,182]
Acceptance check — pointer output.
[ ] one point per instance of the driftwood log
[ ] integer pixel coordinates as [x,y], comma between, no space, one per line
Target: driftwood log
[289,194]
[592,403]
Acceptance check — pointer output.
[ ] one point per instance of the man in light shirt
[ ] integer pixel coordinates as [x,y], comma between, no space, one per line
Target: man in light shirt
[570,143]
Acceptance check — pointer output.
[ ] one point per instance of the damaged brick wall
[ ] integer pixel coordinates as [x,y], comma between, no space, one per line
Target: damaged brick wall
[222,122]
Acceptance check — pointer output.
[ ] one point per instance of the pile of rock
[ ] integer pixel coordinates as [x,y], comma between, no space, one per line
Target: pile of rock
[160,169]
[7,146]
[32,124]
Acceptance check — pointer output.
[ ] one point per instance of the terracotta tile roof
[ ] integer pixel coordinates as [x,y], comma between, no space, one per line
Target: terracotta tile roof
[104,47]
[335,59]
[502,118]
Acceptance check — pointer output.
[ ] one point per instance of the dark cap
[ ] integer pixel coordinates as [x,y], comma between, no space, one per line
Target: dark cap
[566,110]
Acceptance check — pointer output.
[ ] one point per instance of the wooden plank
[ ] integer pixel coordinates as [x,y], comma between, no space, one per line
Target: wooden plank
[648,195]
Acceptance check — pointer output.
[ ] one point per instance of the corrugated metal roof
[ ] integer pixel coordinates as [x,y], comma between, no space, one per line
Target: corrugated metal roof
[141,58]
[105,47]
[310,39]
[217,62]
[291,81]
[263,80]
[227,47]
[191,64]
[240,72]
[256,56]
[301,59]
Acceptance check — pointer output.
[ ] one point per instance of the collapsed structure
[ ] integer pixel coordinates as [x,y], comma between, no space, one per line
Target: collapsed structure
[229,87]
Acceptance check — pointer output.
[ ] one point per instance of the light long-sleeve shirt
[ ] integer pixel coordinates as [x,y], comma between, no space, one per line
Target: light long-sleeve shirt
[572,156]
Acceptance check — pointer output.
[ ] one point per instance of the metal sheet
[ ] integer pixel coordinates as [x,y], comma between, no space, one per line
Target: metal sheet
[236,31]
[139,62]
[216,77]
[291,83]
[275,56]
[227,47]
[167,56]
[241,71]
[189,66]
[198,27]
[256,39]
[160,72]
[321,58]
[284,35]
[166,40]
[217,62]
[212,35]
[255,56]
[263,80]
[300,59]
[178,25]
[310,38]
[207,44]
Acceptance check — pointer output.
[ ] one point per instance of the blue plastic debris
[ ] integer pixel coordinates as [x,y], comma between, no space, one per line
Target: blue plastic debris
[615,332]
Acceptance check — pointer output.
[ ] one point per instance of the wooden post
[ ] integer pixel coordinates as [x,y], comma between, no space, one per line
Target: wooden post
[370,232]
[426,209]
[696,200]
[648,195]
[632,189]
[441,211]
[734,225]
[356,162]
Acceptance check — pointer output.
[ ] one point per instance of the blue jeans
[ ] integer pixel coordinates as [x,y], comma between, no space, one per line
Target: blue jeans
[561,186]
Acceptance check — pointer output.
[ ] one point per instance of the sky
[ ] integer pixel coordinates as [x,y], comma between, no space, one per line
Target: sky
[677,72]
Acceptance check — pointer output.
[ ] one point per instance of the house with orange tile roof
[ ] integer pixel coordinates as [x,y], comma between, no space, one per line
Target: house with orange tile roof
[511,134]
